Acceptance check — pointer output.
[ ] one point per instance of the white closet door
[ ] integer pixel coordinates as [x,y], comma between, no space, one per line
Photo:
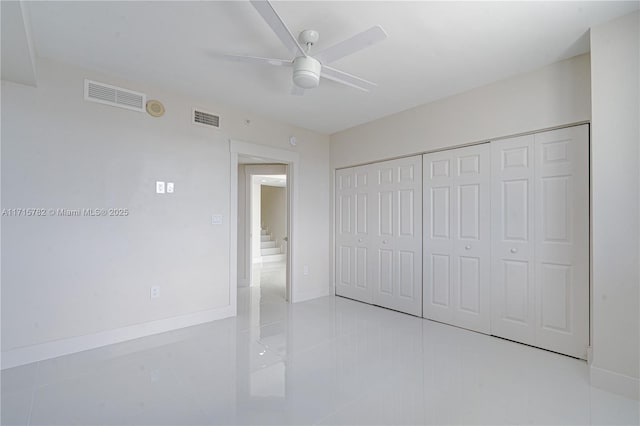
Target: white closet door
[540,246]
[457,239]
[352,249]
[397,237]
[562,240]
[512,198]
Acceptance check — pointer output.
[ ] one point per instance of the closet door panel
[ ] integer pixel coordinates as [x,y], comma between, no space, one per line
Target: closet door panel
[562,240]
[512,198]
[397,239]
[438,297]
[457,223]
[472,243]
[352,251]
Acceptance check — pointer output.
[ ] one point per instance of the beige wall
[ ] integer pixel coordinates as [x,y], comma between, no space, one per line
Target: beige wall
[69,278]
[274,212]
[615,162]
[554,95]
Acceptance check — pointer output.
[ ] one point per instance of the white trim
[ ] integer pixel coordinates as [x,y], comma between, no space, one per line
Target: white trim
[611,381]
[56,348]
[302,297]
[233,227]
[292,159]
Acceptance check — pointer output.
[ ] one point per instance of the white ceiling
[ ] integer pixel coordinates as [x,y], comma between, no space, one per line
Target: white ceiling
[434,49]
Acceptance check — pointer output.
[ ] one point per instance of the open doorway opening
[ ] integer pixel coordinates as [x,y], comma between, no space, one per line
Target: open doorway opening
[249,159]
[268,230]
[263,226]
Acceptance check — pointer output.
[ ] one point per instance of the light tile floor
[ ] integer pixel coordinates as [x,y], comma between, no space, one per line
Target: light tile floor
[325,361]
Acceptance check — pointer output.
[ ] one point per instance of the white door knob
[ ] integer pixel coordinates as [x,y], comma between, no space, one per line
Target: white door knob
[384,241]
[514,250]
[467,247]
[359,240]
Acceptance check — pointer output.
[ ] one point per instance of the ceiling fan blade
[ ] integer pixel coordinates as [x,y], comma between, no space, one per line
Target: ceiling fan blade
[297,91]
[269,14]
[346,79]
[253,59]
[351,45]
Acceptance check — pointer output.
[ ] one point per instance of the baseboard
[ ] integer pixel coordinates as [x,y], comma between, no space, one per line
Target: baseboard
[617,383]
[56,348]
[304,296]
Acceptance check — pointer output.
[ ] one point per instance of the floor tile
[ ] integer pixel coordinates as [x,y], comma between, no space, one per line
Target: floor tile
[325,361]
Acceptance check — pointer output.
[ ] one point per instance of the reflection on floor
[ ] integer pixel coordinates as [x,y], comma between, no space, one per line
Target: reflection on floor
[325,361]
[269,282]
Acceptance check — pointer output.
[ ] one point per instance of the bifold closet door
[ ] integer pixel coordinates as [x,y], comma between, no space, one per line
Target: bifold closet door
[379,234]
[352,252]
[513,291]
[562,240]
[540,248]
[396,240]
[457,238]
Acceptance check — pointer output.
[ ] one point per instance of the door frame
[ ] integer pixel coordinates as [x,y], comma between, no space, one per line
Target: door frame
[292,161]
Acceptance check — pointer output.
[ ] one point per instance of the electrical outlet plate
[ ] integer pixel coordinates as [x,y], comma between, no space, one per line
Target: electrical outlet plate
[159,187]
[216,219]
[169,187]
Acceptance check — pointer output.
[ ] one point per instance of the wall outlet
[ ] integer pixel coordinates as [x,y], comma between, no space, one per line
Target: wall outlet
[159,187]
[216,219]
[169,187]
[154,292]
[305,270]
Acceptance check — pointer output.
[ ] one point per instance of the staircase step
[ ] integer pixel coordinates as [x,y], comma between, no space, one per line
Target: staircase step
[265,237]
[274,258]
[270,251]
[267,244]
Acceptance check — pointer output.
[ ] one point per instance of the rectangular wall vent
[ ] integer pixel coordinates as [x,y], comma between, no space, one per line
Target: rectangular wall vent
[203,118]
[114,96]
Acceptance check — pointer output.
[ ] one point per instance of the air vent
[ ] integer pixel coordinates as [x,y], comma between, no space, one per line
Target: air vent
[114,96]
[205,118]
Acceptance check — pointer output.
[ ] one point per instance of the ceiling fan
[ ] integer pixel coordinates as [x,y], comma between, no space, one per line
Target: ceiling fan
[307,69]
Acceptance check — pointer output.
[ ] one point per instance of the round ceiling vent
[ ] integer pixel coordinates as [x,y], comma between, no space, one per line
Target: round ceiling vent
[155,108]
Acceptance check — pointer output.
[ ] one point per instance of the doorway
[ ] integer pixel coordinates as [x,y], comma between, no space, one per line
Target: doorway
[266,228]
[270,164]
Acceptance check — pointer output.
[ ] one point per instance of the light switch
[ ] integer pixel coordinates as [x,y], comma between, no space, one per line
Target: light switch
[154,292]
[216,219]
[169,187]
[159,187]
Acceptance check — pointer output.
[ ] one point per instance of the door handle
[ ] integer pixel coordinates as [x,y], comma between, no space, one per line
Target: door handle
[285,239]
[359,240]
[467,247]
[384,241]
[514,250]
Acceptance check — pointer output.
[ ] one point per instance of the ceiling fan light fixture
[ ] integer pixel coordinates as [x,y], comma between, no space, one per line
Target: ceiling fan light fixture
[306,72]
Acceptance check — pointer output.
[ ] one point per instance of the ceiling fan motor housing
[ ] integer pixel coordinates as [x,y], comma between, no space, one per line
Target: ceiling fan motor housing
[306,72]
